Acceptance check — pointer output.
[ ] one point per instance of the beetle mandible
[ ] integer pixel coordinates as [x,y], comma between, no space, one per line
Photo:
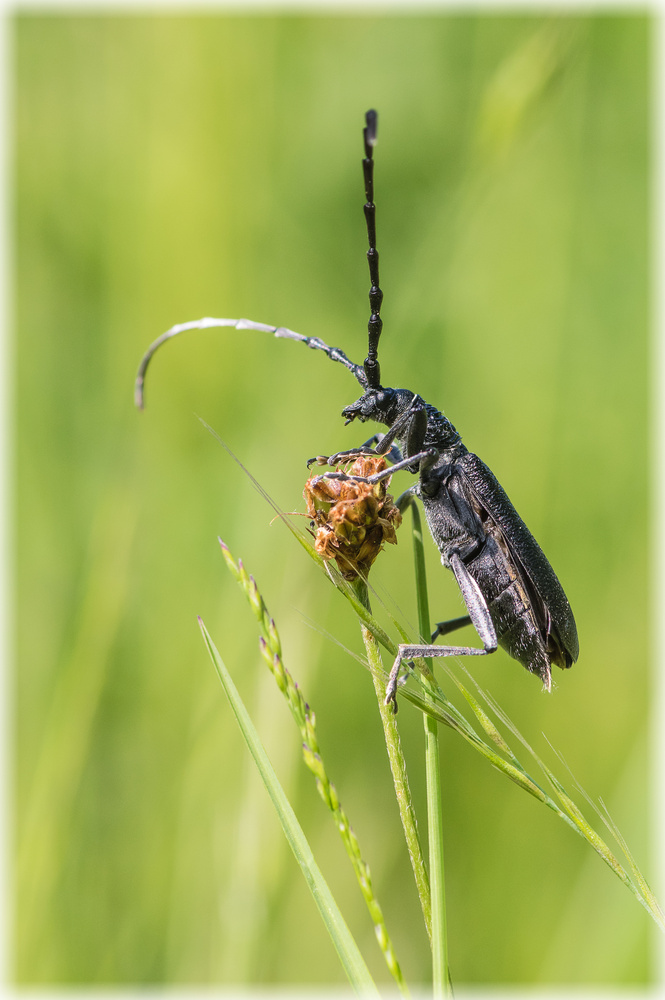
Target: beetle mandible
[512,594]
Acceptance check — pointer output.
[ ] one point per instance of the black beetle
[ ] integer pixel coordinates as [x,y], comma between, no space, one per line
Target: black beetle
[511,592]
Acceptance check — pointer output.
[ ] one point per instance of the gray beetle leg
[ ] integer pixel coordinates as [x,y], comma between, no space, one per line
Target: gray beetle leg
[479,616]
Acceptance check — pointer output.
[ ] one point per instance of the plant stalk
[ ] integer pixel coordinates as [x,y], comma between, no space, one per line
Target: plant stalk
[440,973]
[397,765]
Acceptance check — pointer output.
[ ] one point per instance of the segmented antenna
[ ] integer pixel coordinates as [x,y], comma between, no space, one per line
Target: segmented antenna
[375,325]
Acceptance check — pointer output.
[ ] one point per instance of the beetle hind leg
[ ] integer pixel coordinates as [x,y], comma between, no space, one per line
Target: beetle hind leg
[405,652]
[479,616]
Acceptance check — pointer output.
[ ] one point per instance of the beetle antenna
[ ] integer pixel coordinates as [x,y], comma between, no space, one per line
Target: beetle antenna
[375,325]
[315,343]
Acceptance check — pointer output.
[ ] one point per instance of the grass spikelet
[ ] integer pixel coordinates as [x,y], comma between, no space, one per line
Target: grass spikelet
[305,719]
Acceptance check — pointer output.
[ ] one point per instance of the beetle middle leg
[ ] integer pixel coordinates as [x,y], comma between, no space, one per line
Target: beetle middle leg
[451,625]
[427,457]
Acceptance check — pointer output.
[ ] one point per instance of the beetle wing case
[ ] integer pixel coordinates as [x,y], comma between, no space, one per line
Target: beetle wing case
[527,552]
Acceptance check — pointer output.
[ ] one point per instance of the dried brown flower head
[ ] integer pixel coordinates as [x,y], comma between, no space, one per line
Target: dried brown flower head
[352,520]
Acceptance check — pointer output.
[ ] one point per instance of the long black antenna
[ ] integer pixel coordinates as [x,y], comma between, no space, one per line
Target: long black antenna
[375,325]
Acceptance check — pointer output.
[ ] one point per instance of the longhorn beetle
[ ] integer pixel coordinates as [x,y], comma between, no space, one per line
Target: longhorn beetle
[511,592]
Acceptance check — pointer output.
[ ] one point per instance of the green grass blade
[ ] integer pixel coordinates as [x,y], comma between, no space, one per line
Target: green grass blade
[345,946]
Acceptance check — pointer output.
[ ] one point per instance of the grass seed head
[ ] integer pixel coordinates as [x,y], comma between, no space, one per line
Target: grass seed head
[351,521]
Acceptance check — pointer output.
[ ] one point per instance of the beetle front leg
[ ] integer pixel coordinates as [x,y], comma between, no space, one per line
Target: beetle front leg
[410,426]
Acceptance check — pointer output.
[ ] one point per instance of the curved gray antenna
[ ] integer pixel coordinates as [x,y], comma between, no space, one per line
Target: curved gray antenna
[375,325]
[315,343]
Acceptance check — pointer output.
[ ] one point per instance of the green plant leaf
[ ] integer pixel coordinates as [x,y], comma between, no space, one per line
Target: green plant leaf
[345,946]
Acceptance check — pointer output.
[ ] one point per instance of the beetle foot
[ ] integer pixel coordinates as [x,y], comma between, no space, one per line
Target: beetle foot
[391,699]
[344,457]
[395,681]
[343,477]
[319,459]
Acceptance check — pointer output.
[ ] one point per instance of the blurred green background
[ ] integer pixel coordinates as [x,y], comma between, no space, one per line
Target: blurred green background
[170,167]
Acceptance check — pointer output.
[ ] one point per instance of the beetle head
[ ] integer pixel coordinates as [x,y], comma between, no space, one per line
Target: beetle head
[382,405]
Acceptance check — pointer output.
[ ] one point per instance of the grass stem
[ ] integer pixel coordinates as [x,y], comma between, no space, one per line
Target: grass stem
[397,765]
[440,973]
